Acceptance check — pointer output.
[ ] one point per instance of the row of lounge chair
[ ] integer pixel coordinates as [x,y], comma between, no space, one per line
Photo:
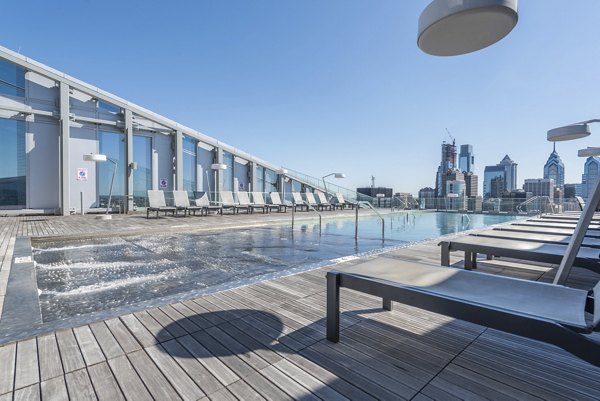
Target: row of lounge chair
[566,317]
[181,203]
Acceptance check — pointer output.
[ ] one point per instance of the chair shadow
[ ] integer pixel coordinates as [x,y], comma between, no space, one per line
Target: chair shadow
[260,338]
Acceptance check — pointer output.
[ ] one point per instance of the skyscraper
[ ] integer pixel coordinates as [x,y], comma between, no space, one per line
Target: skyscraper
[448,163]
[555,169]
[504,175]
[466,159]
[590,176]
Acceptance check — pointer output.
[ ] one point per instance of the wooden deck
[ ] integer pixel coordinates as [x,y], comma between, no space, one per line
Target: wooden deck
[266,341]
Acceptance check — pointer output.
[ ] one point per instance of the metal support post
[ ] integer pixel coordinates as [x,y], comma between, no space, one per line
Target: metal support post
[333,307]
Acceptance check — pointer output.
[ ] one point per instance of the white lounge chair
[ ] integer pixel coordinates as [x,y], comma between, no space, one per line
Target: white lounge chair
[182,202]
[201,200]
[323,202]
[259,201]
[157,203]
[541,311]
[244,200]
[310,200]
[298,201]
[344,202]
[229,203]
[276,201]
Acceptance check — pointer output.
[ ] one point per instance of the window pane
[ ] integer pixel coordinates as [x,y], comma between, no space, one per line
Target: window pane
[260,178]
[112,145]
[12,163]
[228,174]
[108,107]
[12,79]
[190,146]
[270,181]
[142,177]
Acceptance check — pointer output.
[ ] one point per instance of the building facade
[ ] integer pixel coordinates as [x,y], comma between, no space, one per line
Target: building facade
[448,162]
[49,121]
[540,187]
[591,168]
[503,175]
[466,159]
[555,169]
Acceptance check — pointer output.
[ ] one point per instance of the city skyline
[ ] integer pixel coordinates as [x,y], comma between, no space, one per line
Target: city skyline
[250,74]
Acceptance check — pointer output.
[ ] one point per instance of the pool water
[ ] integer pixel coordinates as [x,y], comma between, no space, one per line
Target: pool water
[80,277]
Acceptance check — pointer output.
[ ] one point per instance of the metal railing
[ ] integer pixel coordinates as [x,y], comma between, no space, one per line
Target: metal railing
[367,204]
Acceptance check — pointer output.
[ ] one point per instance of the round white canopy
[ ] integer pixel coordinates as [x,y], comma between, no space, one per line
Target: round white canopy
[587,152]
[453,27]
[569,132]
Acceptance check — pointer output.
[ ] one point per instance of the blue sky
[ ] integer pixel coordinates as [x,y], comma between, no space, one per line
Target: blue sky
[323,86]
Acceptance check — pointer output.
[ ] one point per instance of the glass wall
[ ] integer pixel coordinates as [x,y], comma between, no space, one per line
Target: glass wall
[112,144]
[270,181]
[142,177]
[227,174]
[12,164]
[260,179]
[12,79]
[190,146]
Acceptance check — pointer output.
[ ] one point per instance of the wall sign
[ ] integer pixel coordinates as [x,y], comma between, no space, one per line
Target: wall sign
[163,183]
[82,174]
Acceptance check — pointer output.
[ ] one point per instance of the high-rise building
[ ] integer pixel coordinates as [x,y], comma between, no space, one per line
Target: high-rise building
[540,187]
[448,163]
[555,169]
[497,187]
[590,176]
[471,184]
[466,159]
[572,190]
[507,171]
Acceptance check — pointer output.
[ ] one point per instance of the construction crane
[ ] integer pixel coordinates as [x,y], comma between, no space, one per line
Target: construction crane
[451,137]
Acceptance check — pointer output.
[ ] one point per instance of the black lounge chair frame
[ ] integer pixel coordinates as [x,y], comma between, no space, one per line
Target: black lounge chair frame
[568,338]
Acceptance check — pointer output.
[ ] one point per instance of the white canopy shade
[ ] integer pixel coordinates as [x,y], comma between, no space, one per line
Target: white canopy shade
[589,151]
[569,132]
[454,27]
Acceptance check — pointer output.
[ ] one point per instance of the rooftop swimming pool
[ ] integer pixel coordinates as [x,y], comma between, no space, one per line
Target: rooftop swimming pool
[134,272]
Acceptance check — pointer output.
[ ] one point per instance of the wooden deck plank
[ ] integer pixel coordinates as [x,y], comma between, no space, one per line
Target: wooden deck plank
[69,351]
[55,389]
[154,327]
[152,377]
[287,384]
[184,385]
[80,386]
[138,330]
[222,394]
[8,355]
[230,359]
[266,389]
[27,368]
[236,348]
[107,388]
[215,366]
[109,345]
[191,315]
[308,381]
[50,363]
[129,381]
[168,324]
[333,380]
[186,324]
[198,373]
[90,349]
[348,370]
[31,393]
[126,341]
[243,391]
